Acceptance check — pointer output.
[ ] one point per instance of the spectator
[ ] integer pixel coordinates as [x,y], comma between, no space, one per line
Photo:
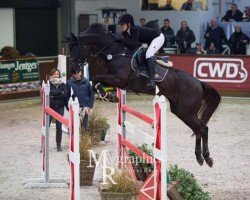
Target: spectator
[198,49]
[233,15]
[58,99]
[238,42]
[168,6]
[188,5]
[215,34]
[168,33]
[246,15]
[185,37]
[83,91]
[212,49]
[143,22]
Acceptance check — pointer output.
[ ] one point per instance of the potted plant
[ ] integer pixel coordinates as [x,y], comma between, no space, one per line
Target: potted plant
[142,168]
[86,172]
[188,188]
[98,127]
[124,189]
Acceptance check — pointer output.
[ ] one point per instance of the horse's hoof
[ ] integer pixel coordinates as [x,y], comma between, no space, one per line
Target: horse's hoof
[200,160]
[209,162]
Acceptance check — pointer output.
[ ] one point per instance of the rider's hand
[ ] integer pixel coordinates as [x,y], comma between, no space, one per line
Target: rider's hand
[118,38]
[144,45]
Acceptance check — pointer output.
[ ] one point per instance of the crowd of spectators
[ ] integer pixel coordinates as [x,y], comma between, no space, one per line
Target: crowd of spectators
[215,37]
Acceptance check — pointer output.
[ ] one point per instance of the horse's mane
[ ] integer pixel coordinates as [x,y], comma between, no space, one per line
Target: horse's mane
[96,28]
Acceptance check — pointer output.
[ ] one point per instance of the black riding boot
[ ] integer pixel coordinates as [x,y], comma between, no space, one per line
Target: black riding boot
[151,70]
[58,140]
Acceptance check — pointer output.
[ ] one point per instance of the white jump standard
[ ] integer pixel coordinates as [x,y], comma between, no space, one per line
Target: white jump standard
[155,186]
[73,124]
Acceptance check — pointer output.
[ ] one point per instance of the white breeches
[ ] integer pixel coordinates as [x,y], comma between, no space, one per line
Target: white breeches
[155,45]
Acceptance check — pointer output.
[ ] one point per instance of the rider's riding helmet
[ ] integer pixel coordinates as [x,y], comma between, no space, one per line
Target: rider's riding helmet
[125,19]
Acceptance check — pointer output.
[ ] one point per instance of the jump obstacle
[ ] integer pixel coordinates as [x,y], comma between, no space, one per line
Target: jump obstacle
[155,187]
[74,156]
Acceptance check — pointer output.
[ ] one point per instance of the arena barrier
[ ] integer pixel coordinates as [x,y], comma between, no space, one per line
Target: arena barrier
[74,156]
[155,187]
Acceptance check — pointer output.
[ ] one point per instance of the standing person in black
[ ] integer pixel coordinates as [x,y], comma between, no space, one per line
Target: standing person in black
[233,15]
[135,36]
[188,5]
[238,42]
[184,37]
[168,33]
[215,34]
[58,99]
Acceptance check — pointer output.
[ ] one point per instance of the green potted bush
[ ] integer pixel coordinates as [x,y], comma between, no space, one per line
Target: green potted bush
[98,127]
[187,184]
[86,172]
[125,189]
[142,169]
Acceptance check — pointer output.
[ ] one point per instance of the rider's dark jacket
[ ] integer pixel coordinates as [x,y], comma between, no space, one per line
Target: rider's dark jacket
[137,36]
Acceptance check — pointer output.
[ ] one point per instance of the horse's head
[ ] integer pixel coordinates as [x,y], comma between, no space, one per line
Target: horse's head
[153,24]
[79,52]
[84,47]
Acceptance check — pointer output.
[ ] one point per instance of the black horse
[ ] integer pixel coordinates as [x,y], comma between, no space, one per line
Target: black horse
[191,100]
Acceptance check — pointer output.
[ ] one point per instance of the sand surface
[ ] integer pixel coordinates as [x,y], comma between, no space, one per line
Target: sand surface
[229,142]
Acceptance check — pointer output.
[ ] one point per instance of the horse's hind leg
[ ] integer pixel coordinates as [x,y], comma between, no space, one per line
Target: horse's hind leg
[200,130]
[198,151]
[206,153]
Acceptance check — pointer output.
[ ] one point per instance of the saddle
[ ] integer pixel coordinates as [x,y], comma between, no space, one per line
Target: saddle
[139,65]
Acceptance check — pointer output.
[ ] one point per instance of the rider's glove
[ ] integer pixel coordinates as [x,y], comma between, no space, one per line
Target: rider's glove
[144,45]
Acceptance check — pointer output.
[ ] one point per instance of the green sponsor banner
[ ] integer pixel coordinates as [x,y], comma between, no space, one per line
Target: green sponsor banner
[17,71]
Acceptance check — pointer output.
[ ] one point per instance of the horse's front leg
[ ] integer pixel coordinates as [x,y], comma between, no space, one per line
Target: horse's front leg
[109,80]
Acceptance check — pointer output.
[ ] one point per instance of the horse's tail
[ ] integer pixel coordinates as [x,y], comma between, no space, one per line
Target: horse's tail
[210,101]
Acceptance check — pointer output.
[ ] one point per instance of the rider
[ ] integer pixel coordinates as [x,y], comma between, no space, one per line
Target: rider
[135,36]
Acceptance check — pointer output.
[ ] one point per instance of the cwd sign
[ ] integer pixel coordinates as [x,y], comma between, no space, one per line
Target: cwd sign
[227,70]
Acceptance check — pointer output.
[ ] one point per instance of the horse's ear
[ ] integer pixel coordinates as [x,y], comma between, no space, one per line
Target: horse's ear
[67,38]
[73,36]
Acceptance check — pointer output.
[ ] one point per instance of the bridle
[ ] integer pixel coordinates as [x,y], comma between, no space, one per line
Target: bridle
[81,61]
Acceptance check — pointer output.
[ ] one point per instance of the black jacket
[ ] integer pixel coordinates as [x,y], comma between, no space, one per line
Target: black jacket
[138,35]
[185,36]
[169,36]
[238,42]
[187,6]
[216,35]
[236,17]
[58,96]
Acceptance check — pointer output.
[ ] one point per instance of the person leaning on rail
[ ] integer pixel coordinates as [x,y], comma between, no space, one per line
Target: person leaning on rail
[58,99]
[233,15]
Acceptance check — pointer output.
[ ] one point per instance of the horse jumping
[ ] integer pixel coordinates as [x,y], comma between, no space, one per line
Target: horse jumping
[191,100]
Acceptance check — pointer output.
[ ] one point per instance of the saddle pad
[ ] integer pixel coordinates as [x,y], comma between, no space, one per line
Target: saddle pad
[140,67]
